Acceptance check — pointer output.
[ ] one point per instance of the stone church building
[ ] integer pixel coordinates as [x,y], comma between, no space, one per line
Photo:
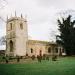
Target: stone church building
[18,44]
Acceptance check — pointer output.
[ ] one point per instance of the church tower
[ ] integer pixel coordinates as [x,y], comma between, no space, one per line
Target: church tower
[16,36]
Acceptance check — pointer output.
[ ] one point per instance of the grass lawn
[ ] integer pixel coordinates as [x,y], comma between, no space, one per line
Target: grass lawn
[64,66]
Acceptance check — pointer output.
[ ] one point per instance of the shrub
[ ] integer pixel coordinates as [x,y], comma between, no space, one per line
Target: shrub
[33,57]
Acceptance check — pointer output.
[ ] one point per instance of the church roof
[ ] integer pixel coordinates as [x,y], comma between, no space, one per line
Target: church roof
[41,42]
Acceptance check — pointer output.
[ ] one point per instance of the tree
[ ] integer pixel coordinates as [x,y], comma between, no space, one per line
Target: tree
[2,40]
[67,35]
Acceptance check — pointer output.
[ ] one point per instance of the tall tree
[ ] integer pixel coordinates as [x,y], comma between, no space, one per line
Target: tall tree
[67,35]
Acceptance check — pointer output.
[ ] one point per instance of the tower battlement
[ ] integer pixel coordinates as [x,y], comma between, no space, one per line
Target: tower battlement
[16,18]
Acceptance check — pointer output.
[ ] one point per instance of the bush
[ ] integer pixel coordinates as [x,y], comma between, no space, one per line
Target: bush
[7,59]
[33,57]
[54,58]
[44,56]
[39,58]
[47,57]
[18,59]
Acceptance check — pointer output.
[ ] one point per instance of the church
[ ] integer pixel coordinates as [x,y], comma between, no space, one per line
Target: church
[18,44]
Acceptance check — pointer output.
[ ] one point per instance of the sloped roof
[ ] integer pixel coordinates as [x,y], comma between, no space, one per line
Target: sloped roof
[42,42]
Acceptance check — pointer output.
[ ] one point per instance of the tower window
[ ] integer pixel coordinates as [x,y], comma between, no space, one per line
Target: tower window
[49,50]
[21,25]
[11,26]
[31,50]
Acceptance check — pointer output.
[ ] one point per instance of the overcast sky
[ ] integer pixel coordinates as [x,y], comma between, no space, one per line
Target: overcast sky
[41,15]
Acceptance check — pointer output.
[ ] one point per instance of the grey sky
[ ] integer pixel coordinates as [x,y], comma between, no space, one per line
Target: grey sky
[41,15]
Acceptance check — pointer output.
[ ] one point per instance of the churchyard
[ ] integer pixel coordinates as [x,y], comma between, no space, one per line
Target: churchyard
[62,66]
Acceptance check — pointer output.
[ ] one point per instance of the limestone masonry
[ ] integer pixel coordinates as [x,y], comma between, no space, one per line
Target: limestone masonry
[18,44]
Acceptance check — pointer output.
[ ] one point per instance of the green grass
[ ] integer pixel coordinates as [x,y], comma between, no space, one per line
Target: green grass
[64,66]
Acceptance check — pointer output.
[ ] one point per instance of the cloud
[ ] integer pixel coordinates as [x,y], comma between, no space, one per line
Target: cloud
[41,15]
[59,4]
[39,18]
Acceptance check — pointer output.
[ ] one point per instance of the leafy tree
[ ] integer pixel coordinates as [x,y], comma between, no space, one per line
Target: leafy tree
[67,35]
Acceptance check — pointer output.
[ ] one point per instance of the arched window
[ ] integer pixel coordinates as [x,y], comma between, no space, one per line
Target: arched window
[49,50]
[31,50]
[56,50]
[40,53]
[11,26]
[21,25]
[11,46]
